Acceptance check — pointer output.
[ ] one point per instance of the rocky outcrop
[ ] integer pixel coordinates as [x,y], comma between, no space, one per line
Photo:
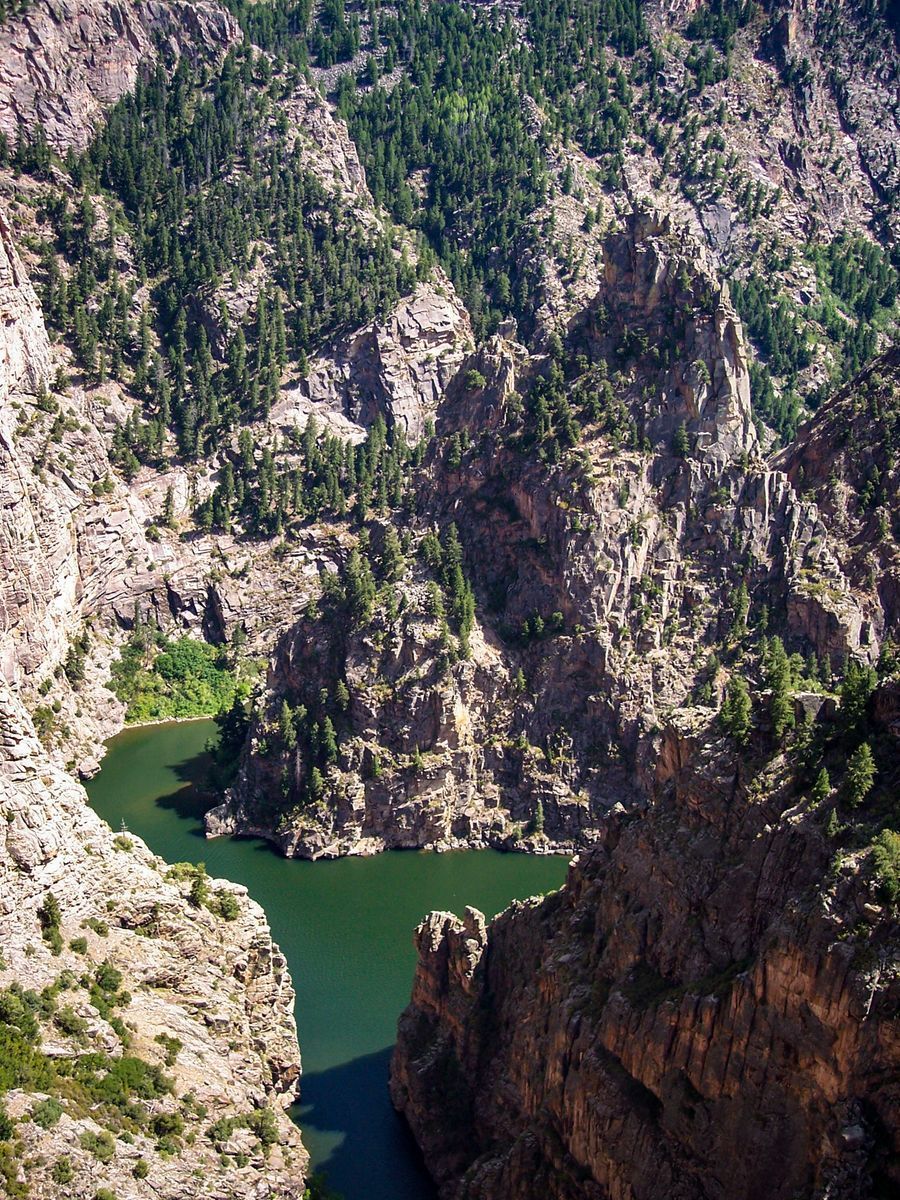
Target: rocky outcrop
[845,460]
[397,368]
[598,574]
[655,287]
[24,346]
[194,1001]
[702,1011]
[35,594]
[326,148]
[63,63]
[429,754]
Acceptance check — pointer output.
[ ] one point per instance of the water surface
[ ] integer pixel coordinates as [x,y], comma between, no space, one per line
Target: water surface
[346,929]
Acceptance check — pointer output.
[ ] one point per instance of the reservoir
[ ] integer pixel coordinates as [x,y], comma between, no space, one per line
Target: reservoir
[346,929]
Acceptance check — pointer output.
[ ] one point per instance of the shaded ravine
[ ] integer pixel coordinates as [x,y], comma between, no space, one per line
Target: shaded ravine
[345,928]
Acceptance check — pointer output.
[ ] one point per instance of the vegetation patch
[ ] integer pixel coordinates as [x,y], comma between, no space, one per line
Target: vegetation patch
[158,678]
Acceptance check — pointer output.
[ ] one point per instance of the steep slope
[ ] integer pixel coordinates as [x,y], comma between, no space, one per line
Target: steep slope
[623,534]
[846,459]
[149,1039]
[149,1044]
[64,63]
[706,1009]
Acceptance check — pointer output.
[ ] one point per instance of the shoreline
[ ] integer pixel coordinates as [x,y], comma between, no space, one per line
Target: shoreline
[160,721]
[88,769]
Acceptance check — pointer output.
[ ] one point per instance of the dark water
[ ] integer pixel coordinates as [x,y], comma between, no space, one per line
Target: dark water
[346,928]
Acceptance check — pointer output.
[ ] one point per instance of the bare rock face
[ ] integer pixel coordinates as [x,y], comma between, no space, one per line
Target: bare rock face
[659,283]
[398,367]
[63,63]
[218,989]
[326,147]
[33,555]
[24,346]
[842,460]
[598,576]
[669,1024]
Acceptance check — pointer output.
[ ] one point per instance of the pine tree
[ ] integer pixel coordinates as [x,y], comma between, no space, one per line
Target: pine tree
[736,711]
[359,587]
[286,726]
[778,677]
[860,775]
[822,787]
[392,561]
[168,514]
[328,741]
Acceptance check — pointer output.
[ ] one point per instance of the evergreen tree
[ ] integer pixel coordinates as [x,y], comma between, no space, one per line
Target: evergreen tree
[822,787]
[778,678]
[860,775]
[736,711]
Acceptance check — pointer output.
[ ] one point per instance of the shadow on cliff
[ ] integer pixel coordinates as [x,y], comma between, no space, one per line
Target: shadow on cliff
[376,1157]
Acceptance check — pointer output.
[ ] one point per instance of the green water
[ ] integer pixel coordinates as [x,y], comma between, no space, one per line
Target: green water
[346,928]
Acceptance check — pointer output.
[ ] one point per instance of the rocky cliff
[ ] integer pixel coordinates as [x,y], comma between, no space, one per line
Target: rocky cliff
[706,1009]
[150,1045]
[398,368]
[63,63]
[145,1013]
[606,578]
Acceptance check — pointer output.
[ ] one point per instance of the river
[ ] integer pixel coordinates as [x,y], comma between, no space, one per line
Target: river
[346,929]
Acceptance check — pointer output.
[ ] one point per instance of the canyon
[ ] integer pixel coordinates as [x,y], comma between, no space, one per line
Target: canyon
[487,528]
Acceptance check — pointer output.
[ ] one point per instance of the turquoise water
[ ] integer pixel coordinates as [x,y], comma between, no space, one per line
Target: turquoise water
[346,929]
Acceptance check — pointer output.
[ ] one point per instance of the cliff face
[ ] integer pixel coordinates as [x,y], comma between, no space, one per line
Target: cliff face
[36,556]
[703,1010]
[397,368]
[63,63]
[149,1040]
[843,459]
[597,576]
[189,1010]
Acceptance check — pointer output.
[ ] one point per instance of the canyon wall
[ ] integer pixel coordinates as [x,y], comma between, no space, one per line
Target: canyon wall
[706,1009]
[64,63]
[194,996]
[630,556]
[179,998]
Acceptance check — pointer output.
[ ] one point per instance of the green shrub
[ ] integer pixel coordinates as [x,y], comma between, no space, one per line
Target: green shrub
[61,1171]
[128,1077]
[262,1122]
[47,1113]
[227,906]
[101,1144]
[156,677]
[172,1047]
[50,918]
[107,977]
[141,1169]
[168,1125]
[69,1022]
